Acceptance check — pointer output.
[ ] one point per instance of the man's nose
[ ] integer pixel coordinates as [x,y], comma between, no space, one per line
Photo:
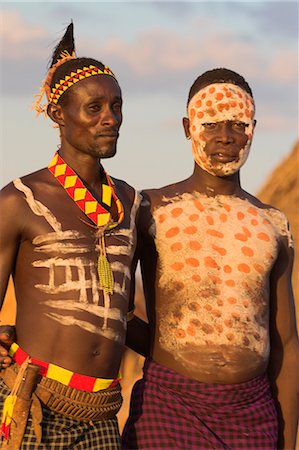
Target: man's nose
[225,133]
[109,116]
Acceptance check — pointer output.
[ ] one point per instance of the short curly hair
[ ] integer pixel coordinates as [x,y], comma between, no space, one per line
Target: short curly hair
[220,75]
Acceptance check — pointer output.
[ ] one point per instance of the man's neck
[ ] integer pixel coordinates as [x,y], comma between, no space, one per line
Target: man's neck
[87,167]
[211,185]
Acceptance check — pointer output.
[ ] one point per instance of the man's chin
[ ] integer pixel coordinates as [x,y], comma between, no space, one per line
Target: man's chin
[105,154]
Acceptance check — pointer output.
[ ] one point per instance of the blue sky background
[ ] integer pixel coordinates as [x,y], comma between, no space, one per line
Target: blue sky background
[156,49]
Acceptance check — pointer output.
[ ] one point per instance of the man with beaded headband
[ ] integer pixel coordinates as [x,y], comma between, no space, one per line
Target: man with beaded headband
[216,265]
[68,237]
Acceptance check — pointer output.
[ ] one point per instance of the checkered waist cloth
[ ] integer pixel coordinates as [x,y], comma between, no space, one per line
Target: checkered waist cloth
[64,376]
[171,411]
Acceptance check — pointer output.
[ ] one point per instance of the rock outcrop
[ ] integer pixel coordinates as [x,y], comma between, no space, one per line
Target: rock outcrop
[282,191]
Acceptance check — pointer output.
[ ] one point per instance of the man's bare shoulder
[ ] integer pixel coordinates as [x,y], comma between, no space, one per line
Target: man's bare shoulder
[157,196]
[123,186]
[275,216]
[13,192]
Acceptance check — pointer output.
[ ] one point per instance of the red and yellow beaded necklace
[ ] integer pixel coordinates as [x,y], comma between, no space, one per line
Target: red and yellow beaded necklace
[99,215]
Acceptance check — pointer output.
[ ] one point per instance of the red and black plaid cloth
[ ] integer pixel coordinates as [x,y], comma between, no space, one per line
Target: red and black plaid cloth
[170,411]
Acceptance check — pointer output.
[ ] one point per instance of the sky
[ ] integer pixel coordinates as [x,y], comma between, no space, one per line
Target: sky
[156,49]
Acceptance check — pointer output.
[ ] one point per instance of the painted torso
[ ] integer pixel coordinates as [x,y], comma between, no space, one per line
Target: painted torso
[60,282]
[215,255]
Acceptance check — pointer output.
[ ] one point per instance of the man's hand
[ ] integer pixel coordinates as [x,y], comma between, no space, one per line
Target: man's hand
[7,337]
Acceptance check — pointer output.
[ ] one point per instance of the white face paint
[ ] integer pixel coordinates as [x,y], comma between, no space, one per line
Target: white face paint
[219,102]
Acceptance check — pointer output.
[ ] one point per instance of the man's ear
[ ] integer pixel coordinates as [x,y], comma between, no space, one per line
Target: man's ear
[55,113]
[186,125]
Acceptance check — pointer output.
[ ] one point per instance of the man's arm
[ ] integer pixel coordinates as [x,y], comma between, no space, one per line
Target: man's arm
[138,332]
[284,357]
[9,241]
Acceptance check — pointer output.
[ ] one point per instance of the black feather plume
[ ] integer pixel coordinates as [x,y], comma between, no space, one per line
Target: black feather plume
[66,44]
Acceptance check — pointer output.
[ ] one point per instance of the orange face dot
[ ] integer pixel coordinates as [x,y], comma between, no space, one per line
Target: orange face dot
[195,245]
[162,218]
[191,330]
[175,212]
[228,323]
[243,268]
[208,103]
[232,300]
[194,306]
[176,247]
[219,328]
[208,307]
[216,312]
[236,315]
[200,114]
[211,112]
[198,103]
[206,328]
[254,222]
[230,336]
[211,90]
[241,237]
[210,262]
[247,251]
[198,205]
[230,283]
[246,341]
[259,268]
[190,230]
[220,250]
[219,302]
[193,262]
[193,217]
[219,96]
[227,269]
[178,285]
[196,278]
[263,237]
[240,215]
[215,279]
[266,222]
[223,217]
[228,94]
[246,231]
[241,105]
[252,211]
[210,220]
[194,322]
[227,207]
[180,333]
[215,233]
[177,266]
[172,232]
[192,113]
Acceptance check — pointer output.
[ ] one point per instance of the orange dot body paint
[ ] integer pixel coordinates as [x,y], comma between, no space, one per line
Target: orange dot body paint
[212,272]
[219,102]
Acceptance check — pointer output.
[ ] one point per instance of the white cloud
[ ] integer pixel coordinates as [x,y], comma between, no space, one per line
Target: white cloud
[20,39]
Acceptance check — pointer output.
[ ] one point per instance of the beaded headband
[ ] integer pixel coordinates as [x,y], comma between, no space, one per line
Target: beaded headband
[73,78]
[59,89]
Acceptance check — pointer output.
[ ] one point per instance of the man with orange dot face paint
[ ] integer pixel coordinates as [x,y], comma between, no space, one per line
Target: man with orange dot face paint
[222,368]
[212,106]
